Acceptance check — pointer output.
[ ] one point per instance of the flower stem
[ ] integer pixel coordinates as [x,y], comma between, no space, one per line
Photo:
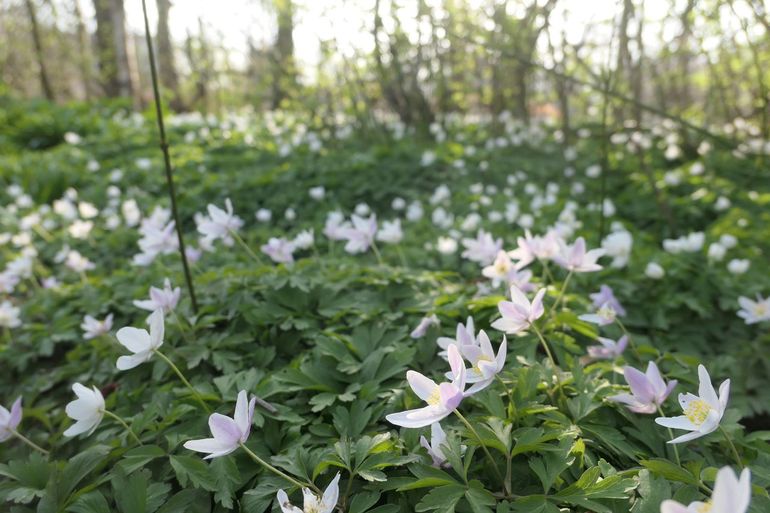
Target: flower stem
[28,442]
[123,423]
[184,380]
[167,160]
[276,471]
[732,447]
[629,337]
[546,270]
[550,356]
[561,294]
[246,247]
[377,253]
[671,435]
[182,329]
[511,404]
[484,448]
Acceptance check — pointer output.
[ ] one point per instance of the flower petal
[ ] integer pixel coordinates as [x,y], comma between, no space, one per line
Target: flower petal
[134,339]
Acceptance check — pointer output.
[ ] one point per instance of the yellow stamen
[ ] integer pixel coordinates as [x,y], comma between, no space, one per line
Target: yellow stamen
[435,397]
[697,411]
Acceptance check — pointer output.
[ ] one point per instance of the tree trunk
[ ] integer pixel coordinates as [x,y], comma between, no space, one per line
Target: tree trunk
[85,63]
[284,75]
[45,83]
[165,49]
[112,49]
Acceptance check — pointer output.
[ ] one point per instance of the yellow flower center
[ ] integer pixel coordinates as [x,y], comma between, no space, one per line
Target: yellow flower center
[435,397]
[697,411]
[501,267]
[761,309]
[482,358]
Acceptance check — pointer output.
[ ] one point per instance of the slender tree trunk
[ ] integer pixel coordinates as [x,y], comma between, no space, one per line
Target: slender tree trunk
[112,48]
[284,76]
[85,62]
[165,48]
[45,83]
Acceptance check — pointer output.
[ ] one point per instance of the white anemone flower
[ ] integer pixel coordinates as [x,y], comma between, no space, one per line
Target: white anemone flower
[312,503]
[87,410]
[702,412]
[731,495]
[141,342]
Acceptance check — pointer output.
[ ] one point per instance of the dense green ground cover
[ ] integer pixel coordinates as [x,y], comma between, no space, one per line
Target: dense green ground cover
[326,340]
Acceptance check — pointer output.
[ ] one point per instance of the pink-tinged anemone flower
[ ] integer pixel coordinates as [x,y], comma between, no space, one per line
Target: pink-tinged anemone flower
[93,327]
[422,327]
[609,349]
[607,296]
[731,495]
[603,316]
[437,439]
[442,399]
[518,314]
[485,365]
[702,412]
[483,249]
[312,503]
[360,235]
[648,390]
[219,224]
[465,335]
[141,342]
[280,250]
[10,420]
[164,299]
[535,248]
[576,259]
[228,433]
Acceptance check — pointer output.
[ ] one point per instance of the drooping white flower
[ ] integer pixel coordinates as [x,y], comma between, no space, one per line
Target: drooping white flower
[227,432]
[78,263]
[702,412]
[141,342]
[731,495]
[304,239]
[312,503]
[464,336]
[485,364]
[93,327]
[335,225]
[437,439]
[87,410]
[716,252]
[535,248]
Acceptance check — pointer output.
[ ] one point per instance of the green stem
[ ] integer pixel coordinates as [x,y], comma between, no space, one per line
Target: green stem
[546,270]
[671,435]
[277,472]
[550,355]
[629,337]
[182,330]
[123,423]
[377,253]
[184,380]
[167,160]
[561,294]
[28,441]
[732,447]
[246,247]
[484,448]
[511,404]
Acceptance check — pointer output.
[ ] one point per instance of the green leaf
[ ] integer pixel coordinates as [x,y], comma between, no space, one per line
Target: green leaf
[193,470]
[669,470]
